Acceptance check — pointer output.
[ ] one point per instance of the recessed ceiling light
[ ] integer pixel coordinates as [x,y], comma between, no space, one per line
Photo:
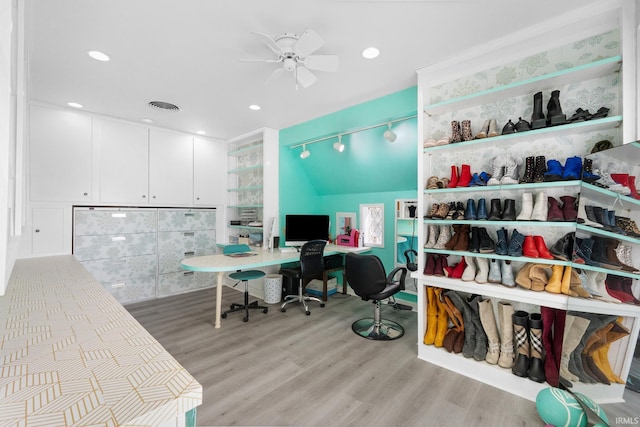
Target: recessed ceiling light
[74,105]
[99,56]
[146,120]
[254,107]
[201,132]
[370,53]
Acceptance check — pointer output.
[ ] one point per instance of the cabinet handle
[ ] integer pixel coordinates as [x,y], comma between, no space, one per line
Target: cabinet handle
[119,215]
[118,238]
[188,273]
[37,230]
[190,253]
[144,196]
[154,197]
[189,234]
[189,214]
[86,194]
[118,285]
[116,262]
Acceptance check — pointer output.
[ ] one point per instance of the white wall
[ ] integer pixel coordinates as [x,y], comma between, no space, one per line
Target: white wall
[11,134]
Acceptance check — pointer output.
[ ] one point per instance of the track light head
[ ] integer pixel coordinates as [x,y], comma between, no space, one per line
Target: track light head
[339,146]
[305,153]
[389,135]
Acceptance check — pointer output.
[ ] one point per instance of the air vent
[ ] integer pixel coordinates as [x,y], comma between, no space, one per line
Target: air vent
[164,106]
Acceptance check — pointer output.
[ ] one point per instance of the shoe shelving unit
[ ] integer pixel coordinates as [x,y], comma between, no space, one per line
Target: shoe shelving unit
[500,82]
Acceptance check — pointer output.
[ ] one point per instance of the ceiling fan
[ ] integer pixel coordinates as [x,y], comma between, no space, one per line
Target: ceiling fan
[295,54]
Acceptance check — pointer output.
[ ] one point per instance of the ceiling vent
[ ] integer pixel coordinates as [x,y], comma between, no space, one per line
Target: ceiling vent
[161,105]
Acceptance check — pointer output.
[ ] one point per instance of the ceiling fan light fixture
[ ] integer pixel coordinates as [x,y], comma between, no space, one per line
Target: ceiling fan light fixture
[162,105]
[338,145]
[390,135]
[370,52]
[305,153]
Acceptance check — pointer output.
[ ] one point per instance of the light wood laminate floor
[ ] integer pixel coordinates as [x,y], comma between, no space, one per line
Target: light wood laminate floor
[288,369]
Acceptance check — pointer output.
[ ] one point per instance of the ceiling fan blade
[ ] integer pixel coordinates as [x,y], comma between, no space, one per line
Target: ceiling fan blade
[258,60]
[309,42]
[305,77]
[322,63]
[271,44]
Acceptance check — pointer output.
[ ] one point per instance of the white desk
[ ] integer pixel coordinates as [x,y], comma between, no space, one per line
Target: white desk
[222,263]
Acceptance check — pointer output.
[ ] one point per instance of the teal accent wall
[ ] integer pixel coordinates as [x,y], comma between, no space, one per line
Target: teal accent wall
[369,170]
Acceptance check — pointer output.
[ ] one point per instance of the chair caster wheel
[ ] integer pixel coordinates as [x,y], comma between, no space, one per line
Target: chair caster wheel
[231,306]
[307,313]
[283,310]
[245,319]
[265,311]
[223,315]
[321,305]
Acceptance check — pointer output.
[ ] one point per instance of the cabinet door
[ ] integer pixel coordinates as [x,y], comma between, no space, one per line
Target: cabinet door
[48,231]
[209,177]
[59,155]
[170,168]
[124,170]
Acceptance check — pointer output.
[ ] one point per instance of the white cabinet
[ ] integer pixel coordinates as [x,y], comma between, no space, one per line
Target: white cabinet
[136,252]
[209,177]
[477,89]
[48,231]
[60,155]
[170,168]
[123,162]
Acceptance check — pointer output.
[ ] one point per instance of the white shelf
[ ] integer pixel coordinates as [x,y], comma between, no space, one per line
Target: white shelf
[496,256]
[555,79]
[244,150]
[555,131]
[608,197]
[480,223]
[242,170]
[499,188]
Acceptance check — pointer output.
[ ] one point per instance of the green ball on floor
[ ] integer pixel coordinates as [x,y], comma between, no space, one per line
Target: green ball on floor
[559,408]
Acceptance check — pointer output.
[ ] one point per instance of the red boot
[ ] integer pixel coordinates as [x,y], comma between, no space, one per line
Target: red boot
[541,247]
[620,178]
[529,247]
[457,271]
[453,182]
[465,176]
[631,183]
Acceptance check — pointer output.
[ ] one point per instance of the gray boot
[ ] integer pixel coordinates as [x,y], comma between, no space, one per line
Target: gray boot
[494,271]
[480,350]
[596,321]
[507,273]
[443,237]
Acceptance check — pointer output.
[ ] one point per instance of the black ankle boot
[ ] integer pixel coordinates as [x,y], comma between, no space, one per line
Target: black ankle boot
[496,210]
[554,110]
[537,118]
[486,245]
[529,167]
[509,211]
[563,247]
[509,128]
[539,169]
[522,125]
[536,366]
[474,245]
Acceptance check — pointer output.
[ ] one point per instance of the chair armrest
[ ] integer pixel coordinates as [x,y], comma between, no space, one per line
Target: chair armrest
[394,272]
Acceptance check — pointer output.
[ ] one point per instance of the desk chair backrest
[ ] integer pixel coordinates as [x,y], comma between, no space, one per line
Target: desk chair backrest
[234,249]
[311,258]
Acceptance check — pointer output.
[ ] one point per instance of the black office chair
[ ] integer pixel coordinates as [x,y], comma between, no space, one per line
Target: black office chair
[311,267]
[244,277]
[367,278]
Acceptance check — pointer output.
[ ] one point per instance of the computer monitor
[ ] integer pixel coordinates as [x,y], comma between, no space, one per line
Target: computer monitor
[303,228]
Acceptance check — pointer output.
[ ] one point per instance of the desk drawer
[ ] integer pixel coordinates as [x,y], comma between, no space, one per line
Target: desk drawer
[186,219]
[175,283]
[115,269]
[186,241]
[114,246]
[169,262]
[131,290]
[113,221]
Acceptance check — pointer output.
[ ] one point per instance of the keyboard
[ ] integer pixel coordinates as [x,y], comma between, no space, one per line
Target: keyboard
[288,250]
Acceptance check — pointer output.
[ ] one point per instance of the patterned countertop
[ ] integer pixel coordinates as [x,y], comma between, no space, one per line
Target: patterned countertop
[72,355]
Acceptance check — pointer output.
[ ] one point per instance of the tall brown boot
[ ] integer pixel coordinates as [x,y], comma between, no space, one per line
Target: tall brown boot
[462,243]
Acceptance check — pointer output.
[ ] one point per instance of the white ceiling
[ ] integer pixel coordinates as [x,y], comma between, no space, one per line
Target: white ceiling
[188,53]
